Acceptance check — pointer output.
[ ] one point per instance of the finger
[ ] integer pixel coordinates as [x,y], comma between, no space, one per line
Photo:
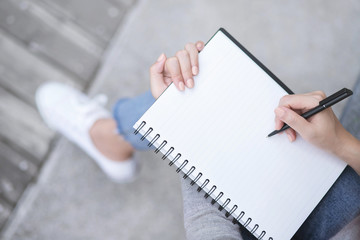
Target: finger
[278,123]
[294,120]
[173,66]
[185,66]
[299,102]
[157,69]
[291,134]
[317,94]
[199,45]
[193,53]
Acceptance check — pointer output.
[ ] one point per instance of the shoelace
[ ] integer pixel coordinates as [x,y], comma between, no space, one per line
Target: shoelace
[88,108]
[99,99]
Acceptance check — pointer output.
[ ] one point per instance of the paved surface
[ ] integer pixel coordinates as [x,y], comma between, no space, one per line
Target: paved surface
[310,45]
[42,40]
[74,200]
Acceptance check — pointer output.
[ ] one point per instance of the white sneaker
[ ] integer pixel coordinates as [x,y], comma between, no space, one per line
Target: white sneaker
[72,113]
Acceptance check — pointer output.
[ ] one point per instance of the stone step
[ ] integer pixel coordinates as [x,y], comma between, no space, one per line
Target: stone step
[21,72]
[58,41]
[22,126]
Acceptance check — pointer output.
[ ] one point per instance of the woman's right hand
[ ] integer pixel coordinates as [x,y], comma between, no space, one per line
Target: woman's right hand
[179,69]
[323,130]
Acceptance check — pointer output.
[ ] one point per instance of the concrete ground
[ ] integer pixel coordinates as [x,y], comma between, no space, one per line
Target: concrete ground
[309,45]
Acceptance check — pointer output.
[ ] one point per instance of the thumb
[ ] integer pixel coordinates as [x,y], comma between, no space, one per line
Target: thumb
[157,82]
[157,69]
[294,120]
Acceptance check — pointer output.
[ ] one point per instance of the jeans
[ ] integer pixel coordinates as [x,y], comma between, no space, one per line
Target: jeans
[126,112]
[203,221]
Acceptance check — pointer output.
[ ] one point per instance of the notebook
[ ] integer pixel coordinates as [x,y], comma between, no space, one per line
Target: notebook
[216,132]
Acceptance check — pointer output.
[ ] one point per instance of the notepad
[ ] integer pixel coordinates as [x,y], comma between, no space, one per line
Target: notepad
[215,134]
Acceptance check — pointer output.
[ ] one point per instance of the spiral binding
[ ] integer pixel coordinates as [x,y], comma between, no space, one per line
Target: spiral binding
[196,179]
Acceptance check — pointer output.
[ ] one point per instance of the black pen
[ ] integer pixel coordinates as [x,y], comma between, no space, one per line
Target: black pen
[324,104]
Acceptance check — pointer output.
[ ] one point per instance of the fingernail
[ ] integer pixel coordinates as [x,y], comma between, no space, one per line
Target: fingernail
[190,83]
[199,45]
[279,112]
[161,57]
[181,86]
[195,70]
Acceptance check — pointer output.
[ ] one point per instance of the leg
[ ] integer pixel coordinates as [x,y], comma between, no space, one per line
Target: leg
[108,142]
[89,125]
[341,204]
[126,112]
[114,137]
[203,220]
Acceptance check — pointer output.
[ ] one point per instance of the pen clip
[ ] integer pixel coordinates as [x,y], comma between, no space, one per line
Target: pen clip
[346,92]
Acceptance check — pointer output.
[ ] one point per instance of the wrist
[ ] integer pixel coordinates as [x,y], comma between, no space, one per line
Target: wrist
[348,150]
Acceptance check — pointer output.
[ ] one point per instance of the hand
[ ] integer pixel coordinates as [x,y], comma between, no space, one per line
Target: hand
[179,69]
[323,130]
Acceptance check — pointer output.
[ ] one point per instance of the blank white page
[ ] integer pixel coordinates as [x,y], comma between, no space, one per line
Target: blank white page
[220,127]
